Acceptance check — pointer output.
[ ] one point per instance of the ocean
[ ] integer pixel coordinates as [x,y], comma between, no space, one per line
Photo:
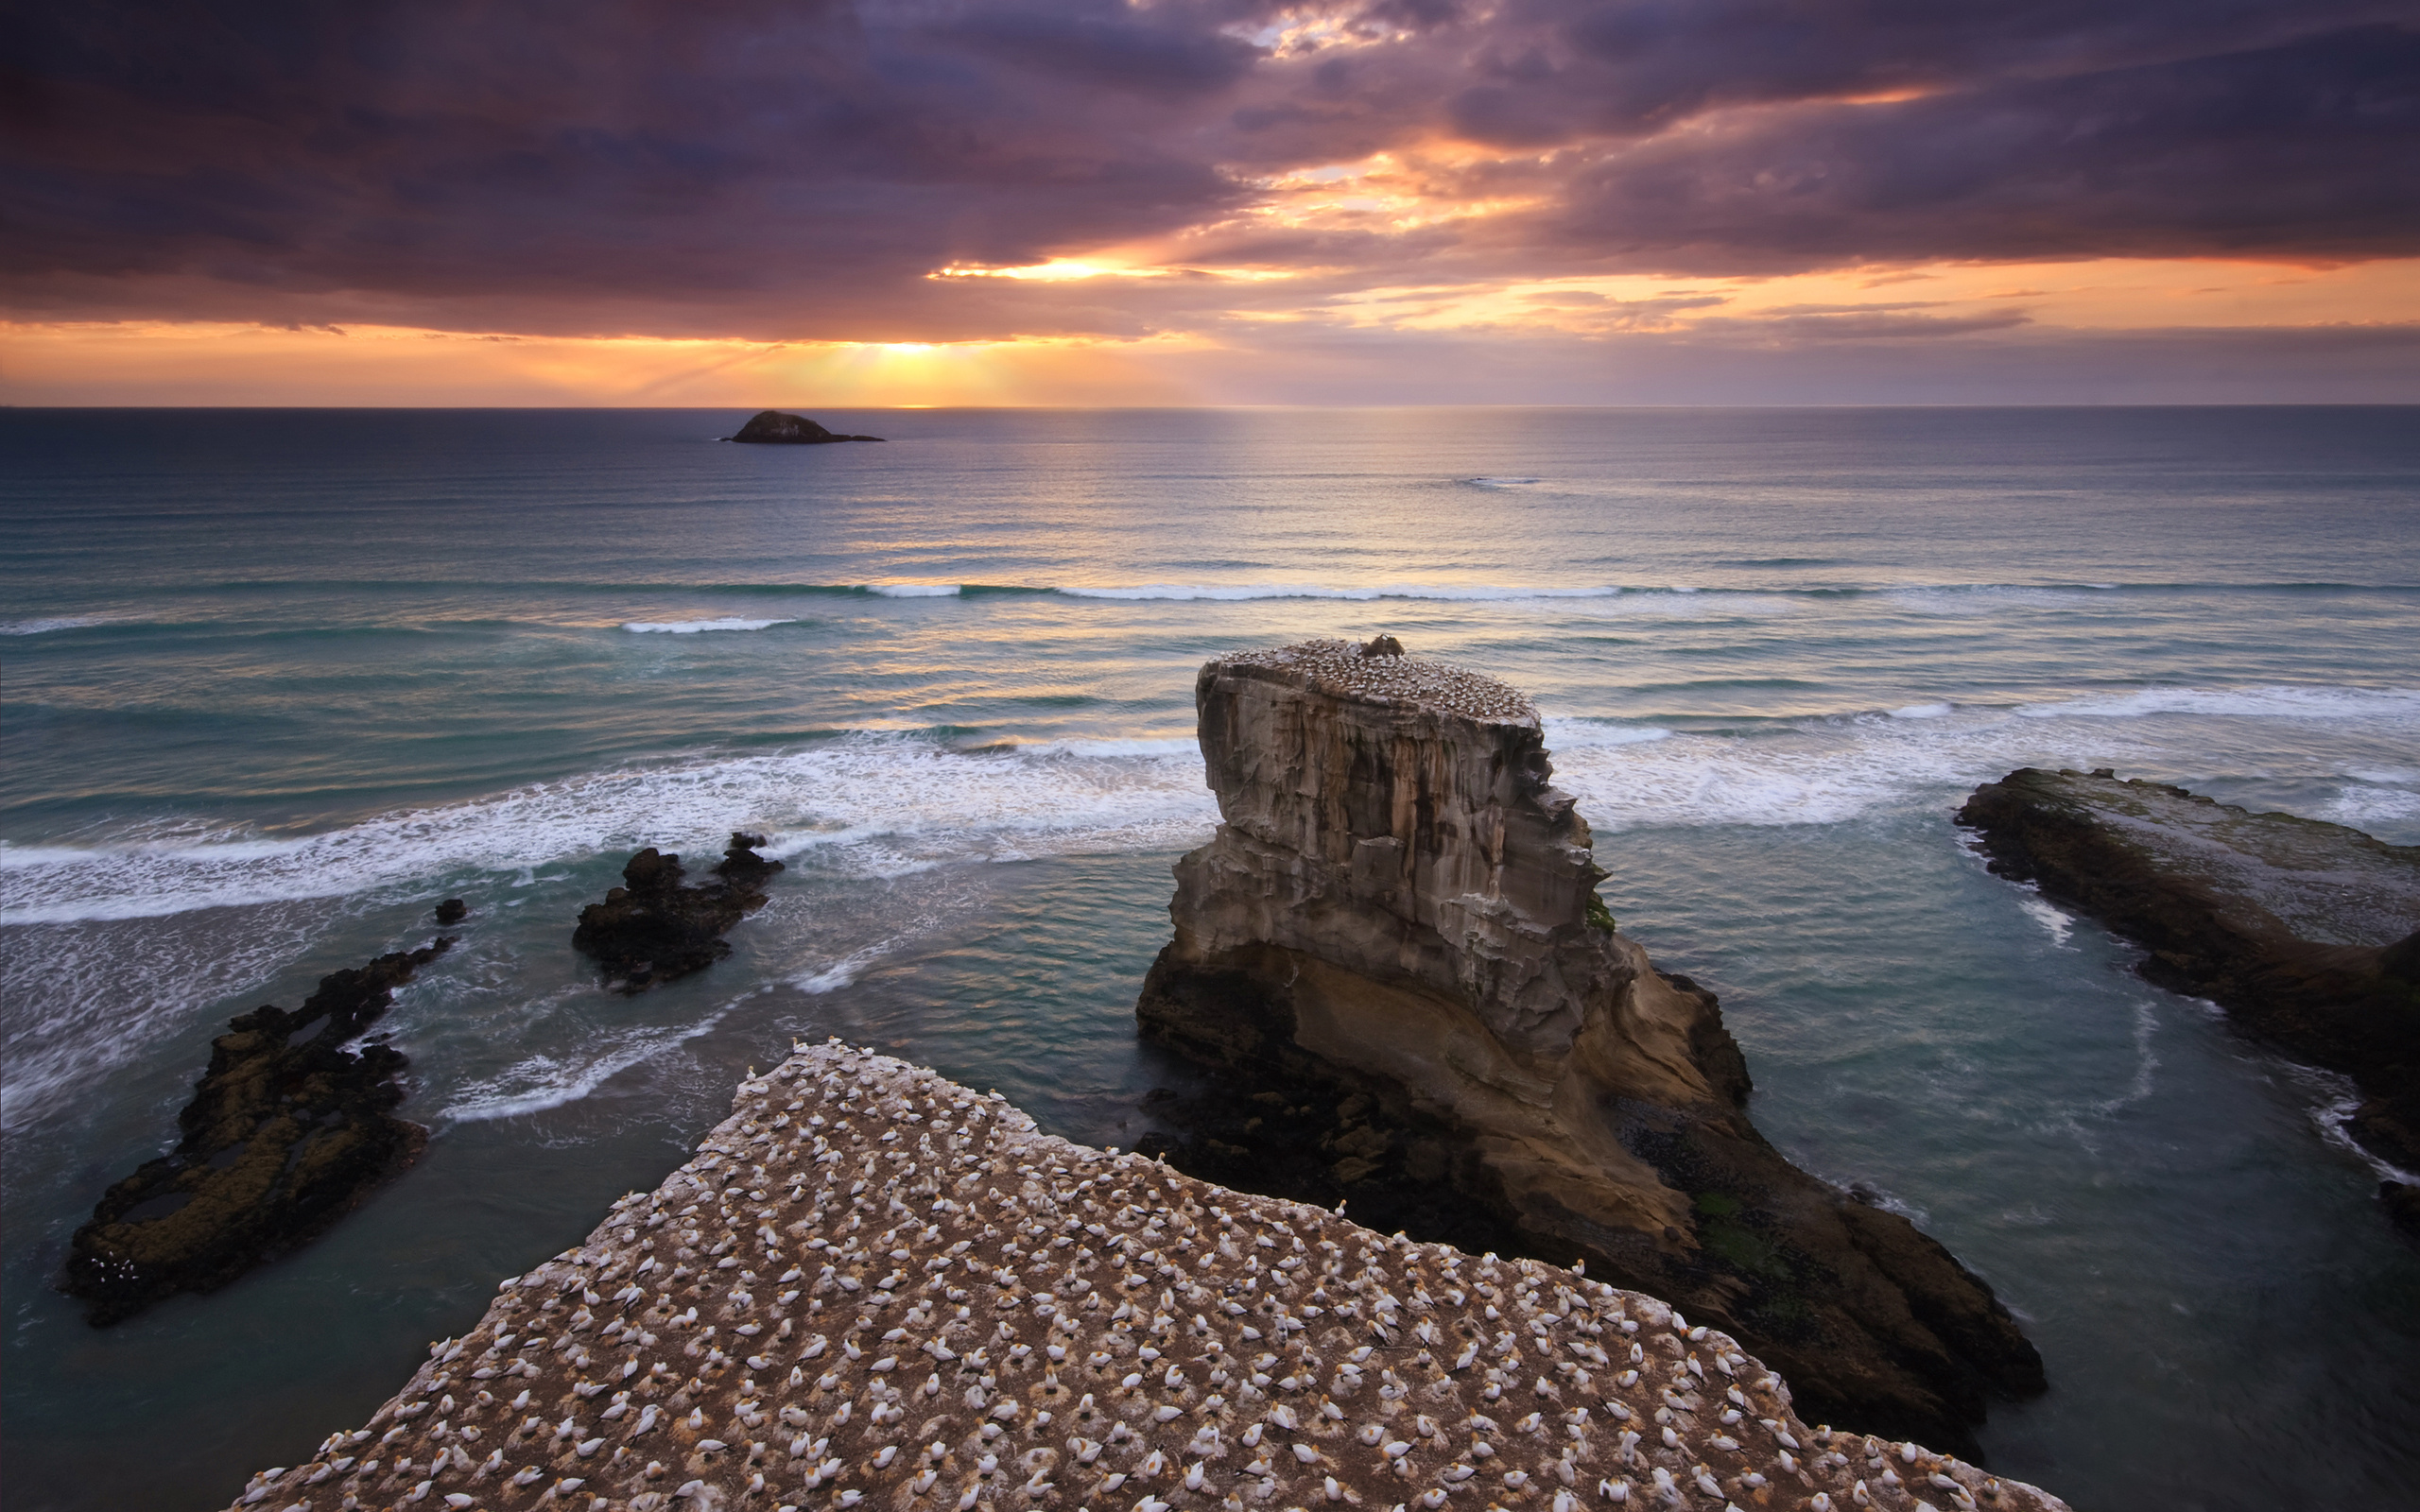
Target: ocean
[277,681]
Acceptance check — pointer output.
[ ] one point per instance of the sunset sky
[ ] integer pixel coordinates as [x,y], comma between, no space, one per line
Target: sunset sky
[741,202]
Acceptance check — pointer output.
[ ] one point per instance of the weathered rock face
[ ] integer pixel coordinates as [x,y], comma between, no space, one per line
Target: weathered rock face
[280,1140]
[2303,930]
[653,928]
[1395,949]
[790,430]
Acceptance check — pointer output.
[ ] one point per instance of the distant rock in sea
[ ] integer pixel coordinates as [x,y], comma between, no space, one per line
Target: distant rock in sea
[653,928]
[1393,956]
[280,1140]
[2307,932]
[790,430]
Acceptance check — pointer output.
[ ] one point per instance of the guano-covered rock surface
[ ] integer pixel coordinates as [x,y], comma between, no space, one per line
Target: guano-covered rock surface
[1393,955]
[874,1288]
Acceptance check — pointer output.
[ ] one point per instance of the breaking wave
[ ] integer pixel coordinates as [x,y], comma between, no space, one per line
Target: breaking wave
[695,626]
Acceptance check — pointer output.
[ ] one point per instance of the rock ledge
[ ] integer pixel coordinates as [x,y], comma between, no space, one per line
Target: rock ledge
[2303,930]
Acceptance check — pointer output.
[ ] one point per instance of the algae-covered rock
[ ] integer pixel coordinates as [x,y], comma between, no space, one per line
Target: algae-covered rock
[283,1137]
[653,928]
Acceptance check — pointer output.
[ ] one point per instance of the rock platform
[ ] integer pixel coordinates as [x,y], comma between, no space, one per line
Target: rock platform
[2306,933]
[873,1287]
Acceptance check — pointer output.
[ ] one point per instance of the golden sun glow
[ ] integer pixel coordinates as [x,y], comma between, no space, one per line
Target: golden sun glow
[143,362]
[171,362]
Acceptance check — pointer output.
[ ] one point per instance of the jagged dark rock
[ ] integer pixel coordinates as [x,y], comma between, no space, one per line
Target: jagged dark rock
[1393,958]
[280,1140]
[453,911]
[653,928]
[2303,930]
[790,430]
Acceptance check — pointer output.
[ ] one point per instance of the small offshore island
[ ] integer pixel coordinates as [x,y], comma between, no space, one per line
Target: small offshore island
[874,1286]
[789,430]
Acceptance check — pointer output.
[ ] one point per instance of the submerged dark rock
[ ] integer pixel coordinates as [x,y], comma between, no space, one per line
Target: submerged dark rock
[790,430]
[453,911]
[282,1139]
[653,928]
[2303,930]
[1394,961]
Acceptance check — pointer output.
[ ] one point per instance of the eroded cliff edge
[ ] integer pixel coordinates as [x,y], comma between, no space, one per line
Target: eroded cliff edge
[2307,932]
[1398,920]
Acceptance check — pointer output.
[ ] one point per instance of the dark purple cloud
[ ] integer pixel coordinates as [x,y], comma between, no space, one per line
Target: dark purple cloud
[796,169]
[2308,149]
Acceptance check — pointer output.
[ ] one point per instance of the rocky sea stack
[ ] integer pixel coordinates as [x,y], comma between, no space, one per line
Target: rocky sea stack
[789,430]
[283,1137]
[1393,955]
[652,928]
[2307,932]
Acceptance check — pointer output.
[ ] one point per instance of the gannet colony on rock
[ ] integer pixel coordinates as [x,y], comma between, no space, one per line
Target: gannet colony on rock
[875,1288]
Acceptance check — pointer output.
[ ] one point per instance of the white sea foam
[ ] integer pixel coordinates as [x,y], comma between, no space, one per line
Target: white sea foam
[1984,599]
[1159,746]
[2146,1061]
[2338,1098]
[1238,593]
[2060,925]
[1828,772]
[1923,711]
[881,804]
[1824,772]
[914,590]
[2374,809]
[78,1000]
[1680,604]
[695,627]
[69,622]
[2388,776]
[876,803]
[539,1082]
[840,973]
[1580,734]
[2395,705]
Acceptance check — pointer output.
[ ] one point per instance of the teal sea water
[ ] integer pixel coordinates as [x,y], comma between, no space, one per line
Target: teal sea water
[275,682]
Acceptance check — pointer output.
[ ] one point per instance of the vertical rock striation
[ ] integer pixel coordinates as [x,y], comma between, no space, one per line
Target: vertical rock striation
[1394,942]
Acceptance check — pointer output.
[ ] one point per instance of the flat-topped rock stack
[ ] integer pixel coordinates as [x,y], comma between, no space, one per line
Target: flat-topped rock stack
[1381,672]
[873,1287]
[1392,959]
